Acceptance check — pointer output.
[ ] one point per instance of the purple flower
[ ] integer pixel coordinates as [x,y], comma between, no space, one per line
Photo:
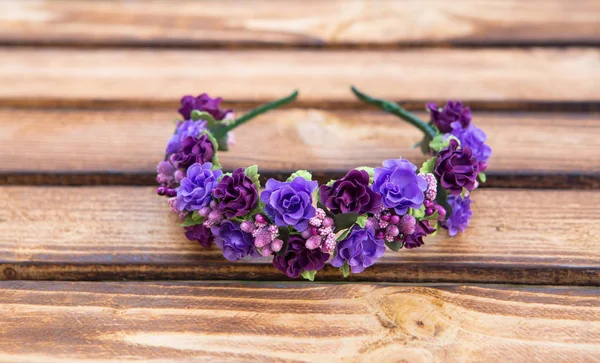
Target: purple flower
[401,188]
[289,203]
[200,234]
[194,150]
[237,193]
[414,240]
[452,112]
[203,103]
[235,243]
[461,215]
[360,249]
[298,258]
[475,138]
[350,194]
[456,168]
[184,129]
[165,173]
[195,189]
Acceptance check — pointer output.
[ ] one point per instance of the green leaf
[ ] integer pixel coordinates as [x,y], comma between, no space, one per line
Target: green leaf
[482,177]
[438,143]
[192,220]
[223,144]
[330,183]
[200,115]
[370,171]
[302,173]
[309,275]
[362,221]
[442,199]
[345,269]
[432,217]
[344,220]
[215,160]
[394,245]
[463,193]
[428,166]
[344,235]
[252,173]
[417,213]
[284,235]
[437,228]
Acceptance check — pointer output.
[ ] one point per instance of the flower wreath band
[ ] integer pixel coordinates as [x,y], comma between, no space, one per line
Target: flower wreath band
[347,223]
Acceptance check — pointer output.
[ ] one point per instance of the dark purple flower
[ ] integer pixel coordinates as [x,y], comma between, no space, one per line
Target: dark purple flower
[475,138]
[452,112]
[200,234]
[289,203]
[456,168]
[360,249]
[196,188]
[203,103]
[298,258]
[184,129]
[414,240]
[194,150]
[350,194]
[461,215]
[235,243]
[399,185]
[237,193]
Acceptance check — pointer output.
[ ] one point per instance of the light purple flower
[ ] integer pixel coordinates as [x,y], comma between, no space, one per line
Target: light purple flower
[475,138]
[461,215]
[453,111]
[289,203]
[235,243]
[399,185]
[185,129]
[360,249]
[196,188]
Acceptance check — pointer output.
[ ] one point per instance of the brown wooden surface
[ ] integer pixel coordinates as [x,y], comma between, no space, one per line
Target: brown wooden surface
[48,76]
[126,144]
[299,22]
[53,321]
[516,236]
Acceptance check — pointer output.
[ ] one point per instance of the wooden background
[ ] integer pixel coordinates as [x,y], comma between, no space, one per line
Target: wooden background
[90,89]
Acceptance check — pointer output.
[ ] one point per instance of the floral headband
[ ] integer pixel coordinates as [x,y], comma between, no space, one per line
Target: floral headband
[348,222]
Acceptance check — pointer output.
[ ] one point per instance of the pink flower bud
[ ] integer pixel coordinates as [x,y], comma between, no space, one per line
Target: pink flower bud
[259,218]
[428,203]
[386,217]
[380,235]
[247,226]
[262,239]
[327,222]
[428,211]
[395,219]
[215,216]
[179,174]
[314,231]
[213,204]
[306,233]
[407,224]
[441,212]
[265,251]
[313,242]
[392,230]
[204,211]
[276,245]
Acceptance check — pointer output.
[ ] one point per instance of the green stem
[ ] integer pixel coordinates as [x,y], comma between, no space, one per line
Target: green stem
[257,111]
[395,109]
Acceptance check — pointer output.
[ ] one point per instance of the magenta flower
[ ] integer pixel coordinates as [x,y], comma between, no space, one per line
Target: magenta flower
[194,150]
[237,193]
[457,168]
[350,194]
[298,258]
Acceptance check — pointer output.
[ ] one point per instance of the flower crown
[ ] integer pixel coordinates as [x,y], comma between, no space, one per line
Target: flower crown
[348,222]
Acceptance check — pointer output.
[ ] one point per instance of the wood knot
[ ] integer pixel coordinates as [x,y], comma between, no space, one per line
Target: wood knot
[10,273]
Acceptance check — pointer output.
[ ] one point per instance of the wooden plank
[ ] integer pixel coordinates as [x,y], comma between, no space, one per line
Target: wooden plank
[103,233]
[46,77]
[125,145]
[300,23]
[79,321]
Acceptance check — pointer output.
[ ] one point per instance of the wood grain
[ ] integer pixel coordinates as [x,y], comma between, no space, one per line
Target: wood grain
[57,321]
[299,23]
[103,233]
[46,77]
[129,142]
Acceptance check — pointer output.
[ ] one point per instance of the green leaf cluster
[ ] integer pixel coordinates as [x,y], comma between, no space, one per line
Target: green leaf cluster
[252,173]
[438,143]
[309,275]
[192,219]
[300,173]
[428,166]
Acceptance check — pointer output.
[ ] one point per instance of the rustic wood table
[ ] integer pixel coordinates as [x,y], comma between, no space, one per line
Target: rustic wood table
[95,268]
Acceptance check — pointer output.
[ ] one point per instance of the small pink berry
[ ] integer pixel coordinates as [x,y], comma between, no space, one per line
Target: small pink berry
[380,235]
[276,245]
[262,239]
[247,226]
[324,231]
[213,204]
[407,224]
[389,238]
[161,190]
[383,224]
[314,231]
[428,203]
[204,211]
[306,233]
[259,218]
[428,211]
[215,216]
[392,230]
[179,174]
[386,217]
[395,219]
[273,229]
[327,222]
[441,212]
[313,242]
[265,251]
